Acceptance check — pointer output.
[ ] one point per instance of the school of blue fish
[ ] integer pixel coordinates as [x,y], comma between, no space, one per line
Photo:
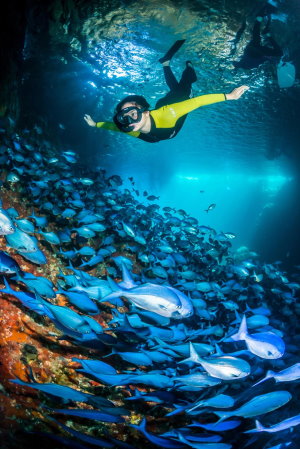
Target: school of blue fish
[198,328]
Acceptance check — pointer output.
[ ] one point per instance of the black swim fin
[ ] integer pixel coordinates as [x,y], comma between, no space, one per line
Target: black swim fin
[171,52]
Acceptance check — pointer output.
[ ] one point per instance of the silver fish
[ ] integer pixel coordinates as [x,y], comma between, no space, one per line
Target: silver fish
[259,405]
[6,225]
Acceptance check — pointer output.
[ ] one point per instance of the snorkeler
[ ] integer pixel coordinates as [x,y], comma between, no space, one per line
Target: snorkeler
[165,121]
[255,53]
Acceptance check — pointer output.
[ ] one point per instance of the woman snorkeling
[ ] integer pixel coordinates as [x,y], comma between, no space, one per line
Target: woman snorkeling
[134,117]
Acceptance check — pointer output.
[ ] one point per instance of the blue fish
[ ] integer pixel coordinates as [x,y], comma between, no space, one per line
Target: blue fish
[40,221]
[283,425]
[95,366]
[89,414]
[136,358]
[60,391]
[8,265]
[204,445]
[259,405]
[50,237]
[218,426]
[37,257]
[86,251]
[25,225]
[95,260]
[28,300]
[21,241]
[85,231]
[68,213]
[80,300]
[41,285]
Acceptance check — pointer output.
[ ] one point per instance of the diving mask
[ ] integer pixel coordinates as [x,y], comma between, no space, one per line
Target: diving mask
[130,115]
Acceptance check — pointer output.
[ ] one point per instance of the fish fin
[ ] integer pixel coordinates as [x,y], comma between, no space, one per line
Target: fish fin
[113,285]
[269,375]
[141,426]
[70,267]
[127,278]
[31,375]
[242,332]
[258,428]
[7,288]
[218,350]
[222,415]
[18,382]
[113,351]
[178,409]
[194,357]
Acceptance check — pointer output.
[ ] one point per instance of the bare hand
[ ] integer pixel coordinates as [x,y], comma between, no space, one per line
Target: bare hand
[237,93]
[89,120]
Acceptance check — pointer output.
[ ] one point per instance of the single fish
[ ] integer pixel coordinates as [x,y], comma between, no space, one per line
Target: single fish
[89,414]
[210,207]
[259,405]
[286,375]
[218,426]
[60,391]
[283,425]
[6,224]
[204,445]
[198,380]
[266,345]
[223,367]
[21,241]
[8,265]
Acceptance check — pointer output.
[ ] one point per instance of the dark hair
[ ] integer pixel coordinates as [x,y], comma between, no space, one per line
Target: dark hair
[138,99]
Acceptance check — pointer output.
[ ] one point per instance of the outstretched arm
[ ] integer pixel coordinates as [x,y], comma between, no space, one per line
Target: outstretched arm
[106,125]
[237,93]
[168,115]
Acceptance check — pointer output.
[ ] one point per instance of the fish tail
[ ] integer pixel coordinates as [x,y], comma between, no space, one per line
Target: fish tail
[222,415]
[7,288]
[242,332]
[112,295]
[18,382]
[269,375]
[141,426]
[259,426]
[113,351]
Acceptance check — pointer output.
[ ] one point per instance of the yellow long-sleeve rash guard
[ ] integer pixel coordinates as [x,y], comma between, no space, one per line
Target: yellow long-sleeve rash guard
[165,121]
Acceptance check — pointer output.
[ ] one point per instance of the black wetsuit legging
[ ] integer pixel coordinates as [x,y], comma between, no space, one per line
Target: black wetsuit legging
[262,50]
[179,91]
[255,53]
